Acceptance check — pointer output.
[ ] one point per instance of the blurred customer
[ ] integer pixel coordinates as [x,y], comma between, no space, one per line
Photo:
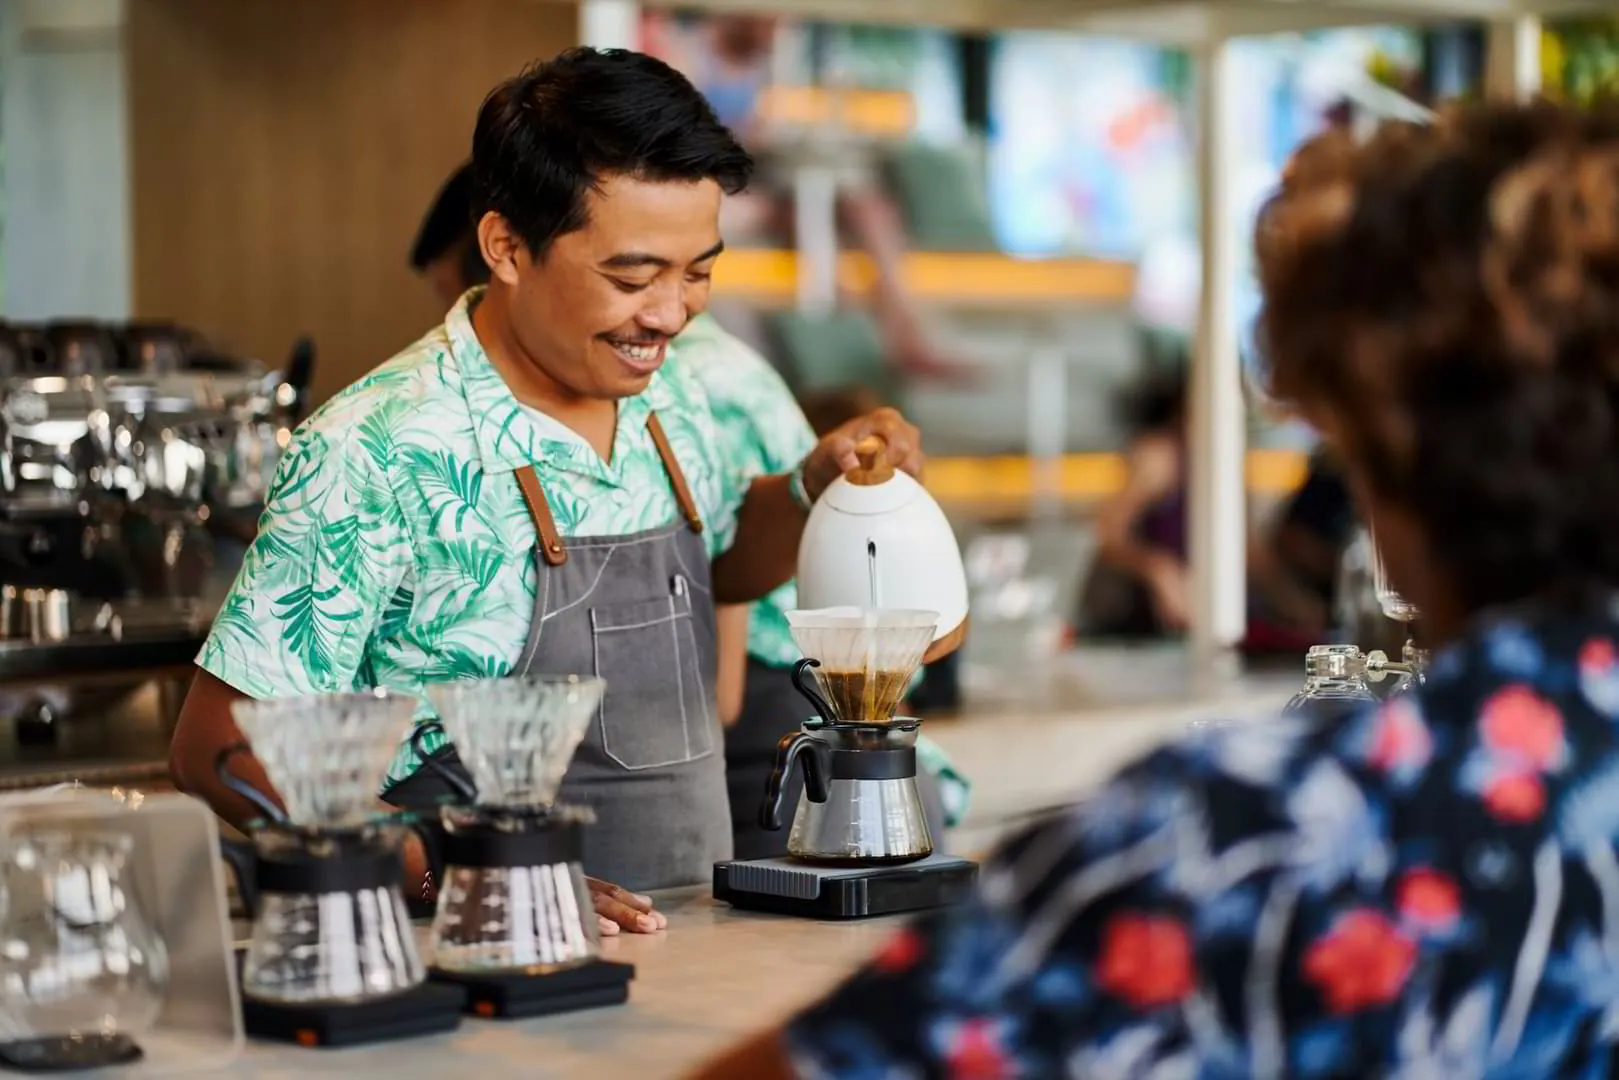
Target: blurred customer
[1427,888]
[1139,585]
[446,250]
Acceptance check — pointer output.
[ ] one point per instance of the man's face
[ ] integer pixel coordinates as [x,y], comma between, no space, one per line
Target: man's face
[596,312]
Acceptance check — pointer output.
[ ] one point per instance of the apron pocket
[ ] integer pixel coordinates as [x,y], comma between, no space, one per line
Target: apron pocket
[657,710]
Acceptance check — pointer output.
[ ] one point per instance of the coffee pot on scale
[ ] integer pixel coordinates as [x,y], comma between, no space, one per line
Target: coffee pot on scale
[515,924]
[859,843]
[332,956]
[860,801]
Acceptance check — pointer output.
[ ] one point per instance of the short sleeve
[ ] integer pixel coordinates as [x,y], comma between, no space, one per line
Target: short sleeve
[329,553]
[757,425]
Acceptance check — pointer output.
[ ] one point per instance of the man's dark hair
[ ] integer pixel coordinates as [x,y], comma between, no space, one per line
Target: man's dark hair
[546,137]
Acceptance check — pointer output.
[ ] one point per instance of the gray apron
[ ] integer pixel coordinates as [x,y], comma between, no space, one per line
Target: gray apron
[638,611]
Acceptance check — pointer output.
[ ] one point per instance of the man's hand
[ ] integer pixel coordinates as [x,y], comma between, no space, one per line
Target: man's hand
[835,454]
[618,908]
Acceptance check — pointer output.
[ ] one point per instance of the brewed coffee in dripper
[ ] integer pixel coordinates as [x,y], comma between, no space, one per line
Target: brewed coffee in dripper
[867,656]
[513,897]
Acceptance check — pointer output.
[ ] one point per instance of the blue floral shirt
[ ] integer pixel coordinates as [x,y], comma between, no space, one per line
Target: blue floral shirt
[1426,890]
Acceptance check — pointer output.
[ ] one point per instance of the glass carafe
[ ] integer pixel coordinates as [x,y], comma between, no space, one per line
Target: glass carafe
[1334,683]
[82,972]
[329,920]
[514,897]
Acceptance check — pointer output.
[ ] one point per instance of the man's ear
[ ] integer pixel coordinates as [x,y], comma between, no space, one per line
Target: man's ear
[500,246]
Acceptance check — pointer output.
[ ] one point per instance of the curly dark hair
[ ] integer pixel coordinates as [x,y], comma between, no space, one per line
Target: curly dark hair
[1448,296]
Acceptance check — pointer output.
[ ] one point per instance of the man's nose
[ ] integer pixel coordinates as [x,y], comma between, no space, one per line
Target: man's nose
[666,315]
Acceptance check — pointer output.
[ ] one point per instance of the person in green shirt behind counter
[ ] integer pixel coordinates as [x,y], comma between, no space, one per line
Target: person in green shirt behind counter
[528,488]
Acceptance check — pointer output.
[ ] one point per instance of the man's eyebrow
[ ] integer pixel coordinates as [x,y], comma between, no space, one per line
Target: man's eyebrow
[631,260]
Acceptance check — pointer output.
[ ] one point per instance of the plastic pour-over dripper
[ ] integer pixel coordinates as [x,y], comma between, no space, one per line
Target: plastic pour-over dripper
[326,755]
[517,735]
[867,656]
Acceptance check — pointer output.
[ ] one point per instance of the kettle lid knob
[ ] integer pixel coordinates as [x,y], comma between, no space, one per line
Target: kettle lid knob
[875,468]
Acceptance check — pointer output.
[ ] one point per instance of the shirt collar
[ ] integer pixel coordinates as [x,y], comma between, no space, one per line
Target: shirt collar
[507,436]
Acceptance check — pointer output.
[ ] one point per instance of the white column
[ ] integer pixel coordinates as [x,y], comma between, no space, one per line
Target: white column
[609,24]
[1217,446]
[1512,59]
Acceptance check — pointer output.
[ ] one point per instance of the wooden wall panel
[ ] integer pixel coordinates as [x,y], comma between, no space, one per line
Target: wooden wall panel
[283,152]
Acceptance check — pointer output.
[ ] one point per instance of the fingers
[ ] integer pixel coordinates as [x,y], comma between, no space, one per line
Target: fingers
[624,908]
[607,926]
[903,439]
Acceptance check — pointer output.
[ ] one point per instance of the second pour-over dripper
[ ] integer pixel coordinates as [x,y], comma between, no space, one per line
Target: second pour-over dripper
[512,897]
[860,801]
[329,919]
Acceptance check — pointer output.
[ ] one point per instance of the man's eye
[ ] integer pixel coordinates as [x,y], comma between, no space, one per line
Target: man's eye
[630,286]
[697,278]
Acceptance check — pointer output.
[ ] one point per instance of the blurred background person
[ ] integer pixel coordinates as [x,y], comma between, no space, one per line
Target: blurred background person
[1138,585]
[445,251]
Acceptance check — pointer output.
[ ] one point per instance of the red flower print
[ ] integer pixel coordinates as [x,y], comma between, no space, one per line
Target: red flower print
[1515,797]
[1519,723]
[975,1052]
[1363,961]
[1428,899]
[1597,656]
[1146,960]
[901,953]
[1400,740]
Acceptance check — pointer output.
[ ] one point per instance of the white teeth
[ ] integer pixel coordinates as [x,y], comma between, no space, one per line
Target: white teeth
[644,354]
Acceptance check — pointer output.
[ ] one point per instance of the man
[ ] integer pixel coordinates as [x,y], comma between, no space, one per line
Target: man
[446,250]
[526,490]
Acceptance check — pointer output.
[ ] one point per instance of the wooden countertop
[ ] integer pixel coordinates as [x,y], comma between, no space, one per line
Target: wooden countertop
[713,977]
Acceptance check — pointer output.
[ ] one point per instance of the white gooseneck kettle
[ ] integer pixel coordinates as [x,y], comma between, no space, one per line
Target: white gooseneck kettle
[876,538]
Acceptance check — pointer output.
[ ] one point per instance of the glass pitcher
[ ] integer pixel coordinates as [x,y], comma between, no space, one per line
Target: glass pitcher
[1334,684]
[82,972]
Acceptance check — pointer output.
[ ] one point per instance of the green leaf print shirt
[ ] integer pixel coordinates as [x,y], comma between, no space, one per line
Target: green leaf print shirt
[764,433]
[395,549]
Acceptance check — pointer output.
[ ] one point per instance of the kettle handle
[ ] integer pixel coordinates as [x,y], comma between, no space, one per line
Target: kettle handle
[798,746]
[875,468]
[243,862]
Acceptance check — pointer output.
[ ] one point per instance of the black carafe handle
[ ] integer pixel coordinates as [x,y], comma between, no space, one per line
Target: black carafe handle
[465,790]
[793,748]
[263,802]
[243,862]
[804,684]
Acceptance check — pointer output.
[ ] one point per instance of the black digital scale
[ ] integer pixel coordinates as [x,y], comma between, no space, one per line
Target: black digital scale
[787,886]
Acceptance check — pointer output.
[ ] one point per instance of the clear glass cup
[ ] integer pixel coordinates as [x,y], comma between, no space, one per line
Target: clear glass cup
[83,973]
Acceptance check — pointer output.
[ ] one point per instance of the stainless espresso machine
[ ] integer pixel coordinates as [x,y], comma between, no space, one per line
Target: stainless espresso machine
[128,452]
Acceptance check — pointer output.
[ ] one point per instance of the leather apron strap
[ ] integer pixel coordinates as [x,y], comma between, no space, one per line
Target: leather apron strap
[549,540]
